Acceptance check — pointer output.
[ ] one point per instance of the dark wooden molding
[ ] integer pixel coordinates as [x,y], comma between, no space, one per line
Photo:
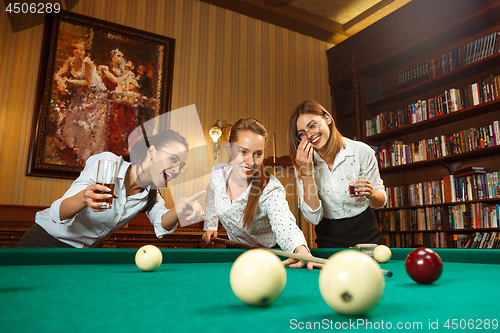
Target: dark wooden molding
[16,219]
[287,16]
[277,3]
[367,13]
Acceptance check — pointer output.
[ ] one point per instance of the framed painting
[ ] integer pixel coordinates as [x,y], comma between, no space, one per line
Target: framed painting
[98,81]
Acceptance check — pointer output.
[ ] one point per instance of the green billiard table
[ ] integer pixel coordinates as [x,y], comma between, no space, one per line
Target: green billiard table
[102,290]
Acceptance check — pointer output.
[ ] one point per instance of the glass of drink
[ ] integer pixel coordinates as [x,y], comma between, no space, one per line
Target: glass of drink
[352,180]
[106,175]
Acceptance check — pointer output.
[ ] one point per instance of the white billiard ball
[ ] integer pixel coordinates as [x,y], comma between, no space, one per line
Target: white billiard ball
[382,253]
[351,283]
[148,258]
[257,277]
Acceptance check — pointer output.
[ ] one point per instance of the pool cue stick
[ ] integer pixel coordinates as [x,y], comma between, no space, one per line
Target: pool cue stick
[298,215]
[274,155]
[145,135]
[277,252]
[281,253]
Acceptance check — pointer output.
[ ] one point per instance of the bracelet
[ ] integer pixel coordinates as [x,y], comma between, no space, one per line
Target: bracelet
[308,175]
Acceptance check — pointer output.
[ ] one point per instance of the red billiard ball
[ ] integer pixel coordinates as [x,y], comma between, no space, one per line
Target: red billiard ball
[424,265]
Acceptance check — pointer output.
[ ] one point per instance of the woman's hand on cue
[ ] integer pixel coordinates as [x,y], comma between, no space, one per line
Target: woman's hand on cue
[91,194]
[208,235]
[295,263]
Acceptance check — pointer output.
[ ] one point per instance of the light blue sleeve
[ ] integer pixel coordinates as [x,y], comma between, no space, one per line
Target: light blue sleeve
[155,215]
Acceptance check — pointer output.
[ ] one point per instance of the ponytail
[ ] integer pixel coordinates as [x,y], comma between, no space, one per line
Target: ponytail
[257,184]
[261,178]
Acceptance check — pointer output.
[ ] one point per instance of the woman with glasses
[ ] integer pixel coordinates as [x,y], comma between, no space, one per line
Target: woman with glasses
[78,219]
[325,161]
[248,201]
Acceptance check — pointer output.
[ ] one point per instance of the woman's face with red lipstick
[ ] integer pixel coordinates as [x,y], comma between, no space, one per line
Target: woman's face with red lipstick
[313,128]
[247,154]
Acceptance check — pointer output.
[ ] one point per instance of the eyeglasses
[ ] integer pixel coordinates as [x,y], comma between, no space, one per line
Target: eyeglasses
[176,161]
[312,129]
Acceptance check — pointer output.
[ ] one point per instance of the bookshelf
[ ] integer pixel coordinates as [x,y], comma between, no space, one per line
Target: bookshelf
[422,87]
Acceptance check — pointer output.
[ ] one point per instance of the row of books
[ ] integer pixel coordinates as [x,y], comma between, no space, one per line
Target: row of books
[426,193]
[464,185]
[478,185]
[449,61]
[478,240]
[474,216]
[398,153]
[482,48]
[414,219]
[410,240]
[415,74]
[449,101]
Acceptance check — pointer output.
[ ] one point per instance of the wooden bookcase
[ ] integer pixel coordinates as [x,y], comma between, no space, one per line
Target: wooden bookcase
[415,33]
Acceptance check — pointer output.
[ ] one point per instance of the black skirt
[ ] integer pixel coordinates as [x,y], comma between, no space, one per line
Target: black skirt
[36,236]
[344,233]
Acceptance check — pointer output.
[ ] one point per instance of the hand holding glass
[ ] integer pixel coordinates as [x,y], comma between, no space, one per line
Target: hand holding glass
[352,180]
[106,175]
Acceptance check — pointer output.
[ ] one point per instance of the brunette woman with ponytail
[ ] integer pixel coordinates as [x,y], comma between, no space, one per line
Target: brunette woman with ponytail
[79,220]
[248,201]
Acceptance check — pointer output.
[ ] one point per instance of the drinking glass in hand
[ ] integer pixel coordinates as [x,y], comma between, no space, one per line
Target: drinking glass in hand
[352,180]
[106,175]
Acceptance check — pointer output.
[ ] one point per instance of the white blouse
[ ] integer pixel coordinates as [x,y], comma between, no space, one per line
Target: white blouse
[333,188]
[273,222]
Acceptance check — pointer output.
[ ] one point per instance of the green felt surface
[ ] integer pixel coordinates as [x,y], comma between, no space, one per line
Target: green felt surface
[192,297]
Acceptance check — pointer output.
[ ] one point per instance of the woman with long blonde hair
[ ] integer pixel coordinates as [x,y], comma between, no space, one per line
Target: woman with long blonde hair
[248,201]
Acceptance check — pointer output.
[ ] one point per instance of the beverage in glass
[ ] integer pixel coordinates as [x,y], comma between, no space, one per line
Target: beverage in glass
[106,175]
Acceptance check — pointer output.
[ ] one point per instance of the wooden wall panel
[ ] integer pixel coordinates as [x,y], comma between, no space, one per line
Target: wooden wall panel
[228,64]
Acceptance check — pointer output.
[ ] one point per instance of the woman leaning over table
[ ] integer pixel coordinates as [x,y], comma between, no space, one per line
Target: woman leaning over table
[248,201]
[79,220]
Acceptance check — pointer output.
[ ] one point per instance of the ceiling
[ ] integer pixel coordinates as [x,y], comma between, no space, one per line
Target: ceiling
[329,20]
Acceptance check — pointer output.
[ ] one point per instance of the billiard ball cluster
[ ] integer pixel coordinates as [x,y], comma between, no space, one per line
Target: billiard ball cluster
[350,282]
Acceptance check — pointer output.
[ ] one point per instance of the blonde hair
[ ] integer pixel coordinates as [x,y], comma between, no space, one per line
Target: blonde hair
[261,178]
[335,142]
